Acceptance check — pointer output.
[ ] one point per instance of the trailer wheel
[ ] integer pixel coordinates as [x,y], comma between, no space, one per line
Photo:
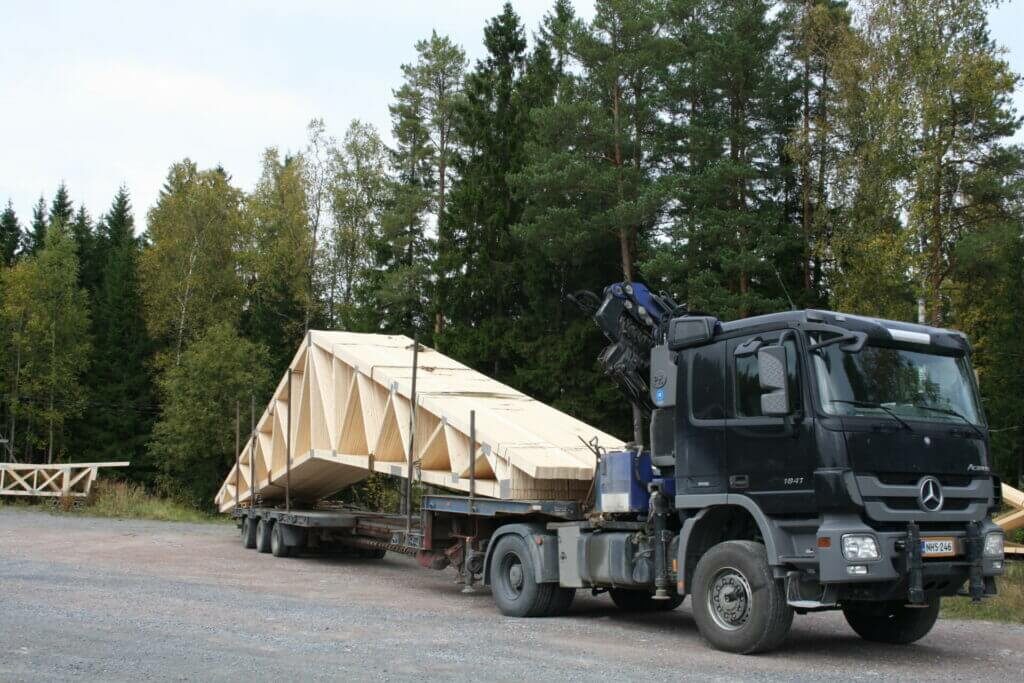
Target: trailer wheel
[737,603]
[891,622]
[514,580]
[642,601]
[263,528]
[248,533]
[278,548]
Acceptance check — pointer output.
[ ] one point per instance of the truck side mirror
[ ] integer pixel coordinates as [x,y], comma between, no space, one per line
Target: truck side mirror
[689,330]
[772,375]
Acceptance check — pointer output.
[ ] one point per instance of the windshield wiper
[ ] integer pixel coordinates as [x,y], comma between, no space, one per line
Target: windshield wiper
[877,406]
[950,411]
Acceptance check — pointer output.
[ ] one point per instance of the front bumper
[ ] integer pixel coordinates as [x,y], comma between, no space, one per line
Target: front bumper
[898,563]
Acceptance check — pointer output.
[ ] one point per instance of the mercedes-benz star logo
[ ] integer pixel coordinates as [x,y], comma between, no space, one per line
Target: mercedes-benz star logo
[929,497]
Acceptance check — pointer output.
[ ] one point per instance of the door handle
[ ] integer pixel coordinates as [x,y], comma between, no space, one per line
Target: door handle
[739,481]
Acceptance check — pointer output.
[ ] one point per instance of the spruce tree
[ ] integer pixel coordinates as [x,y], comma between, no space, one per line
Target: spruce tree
[484,256]
[10,235]
[82,231]
[35,237]
[120,417]
[61,208]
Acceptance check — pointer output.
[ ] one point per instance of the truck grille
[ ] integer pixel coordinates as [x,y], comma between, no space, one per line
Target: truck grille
[894,498]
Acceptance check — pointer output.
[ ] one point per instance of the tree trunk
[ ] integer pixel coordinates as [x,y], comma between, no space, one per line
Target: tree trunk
[53,380]
[936,276]
[12,445]
[805,172]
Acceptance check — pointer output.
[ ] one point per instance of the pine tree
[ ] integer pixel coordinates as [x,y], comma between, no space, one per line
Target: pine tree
[399,285]
[732,233]
[816,30]
[592,178]
[10,235]
[423,116]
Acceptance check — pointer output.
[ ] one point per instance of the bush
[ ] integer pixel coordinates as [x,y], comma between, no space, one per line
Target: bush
[128,500]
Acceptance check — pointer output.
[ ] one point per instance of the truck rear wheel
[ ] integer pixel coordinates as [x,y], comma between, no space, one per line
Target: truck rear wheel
[278,548]
[263,535]
[891,622]
[737,603]
[642,601]
[248,533]
[514,581]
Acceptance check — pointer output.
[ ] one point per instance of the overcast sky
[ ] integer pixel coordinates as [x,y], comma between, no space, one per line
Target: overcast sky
[103,93]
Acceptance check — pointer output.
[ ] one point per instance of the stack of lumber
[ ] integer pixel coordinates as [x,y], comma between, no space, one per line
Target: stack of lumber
[1014,519]
[58,480]
[344,410]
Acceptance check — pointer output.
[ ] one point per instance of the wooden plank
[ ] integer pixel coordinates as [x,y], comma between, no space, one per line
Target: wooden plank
[1012,496]
[53,479]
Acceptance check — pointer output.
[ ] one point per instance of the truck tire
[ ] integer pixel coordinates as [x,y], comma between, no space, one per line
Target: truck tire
[514,580]
[278,548]
[263,535]
[642,601]
[561,601]
[248,533]
[891,622]
[737,603]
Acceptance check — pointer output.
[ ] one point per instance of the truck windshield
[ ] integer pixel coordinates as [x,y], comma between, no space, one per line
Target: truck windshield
[908,384]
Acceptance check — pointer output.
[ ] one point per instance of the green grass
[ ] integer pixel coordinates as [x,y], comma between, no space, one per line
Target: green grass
[122,500]
[1007,606]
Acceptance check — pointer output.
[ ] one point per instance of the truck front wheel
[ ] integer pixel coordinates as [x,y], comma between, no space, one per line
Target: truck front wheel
[891,622]
[737,603]
[514,582]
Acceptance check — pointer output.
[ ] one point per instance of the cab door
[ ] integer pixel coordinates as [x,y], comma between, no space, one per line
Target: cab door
[770,459]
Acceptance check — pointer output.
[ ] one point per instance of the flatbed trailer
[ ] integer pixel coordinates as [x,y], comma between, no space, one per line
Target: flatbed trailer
[455,531]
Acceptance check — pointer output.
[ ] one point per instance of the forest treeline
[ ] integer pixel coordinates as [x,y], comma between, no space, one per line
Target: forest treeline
[742,155]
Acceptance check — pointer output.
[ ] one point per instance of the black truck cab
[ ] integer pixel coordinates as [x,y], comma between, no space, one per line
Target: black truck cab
[800,461]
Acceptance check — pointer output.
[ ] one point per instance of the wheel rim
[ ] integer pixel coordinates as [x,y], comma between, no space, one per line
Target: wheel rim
[729,598]
[512,571]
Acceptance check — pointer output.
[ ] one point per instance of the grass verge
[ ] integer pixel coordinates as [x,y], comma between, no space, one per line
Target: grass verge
[1008,606]
[121,500]
[132,501]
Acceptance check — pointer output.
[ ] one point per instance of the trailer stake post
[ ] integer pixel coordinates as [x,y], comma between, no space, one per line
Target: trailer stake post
[288,451]
[412,438]
[238,446]
[467,544]
[252,451]
[472,459]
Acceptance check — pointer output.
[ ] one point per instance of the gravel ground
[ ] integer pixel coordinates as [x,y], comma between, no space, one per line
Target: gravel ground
[129,600]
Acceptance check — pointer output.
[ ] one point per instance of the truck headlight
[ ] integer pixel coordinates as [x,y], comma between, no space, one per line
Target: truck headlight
[860,547]
[994,544]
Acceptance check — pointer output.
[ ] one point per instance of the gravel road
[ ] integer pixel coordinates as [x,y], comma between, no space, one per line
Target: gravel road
[128,600]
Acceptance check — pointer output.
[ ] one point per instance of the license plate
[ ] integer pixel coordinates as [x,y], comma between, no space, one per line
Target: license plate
[938,547]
